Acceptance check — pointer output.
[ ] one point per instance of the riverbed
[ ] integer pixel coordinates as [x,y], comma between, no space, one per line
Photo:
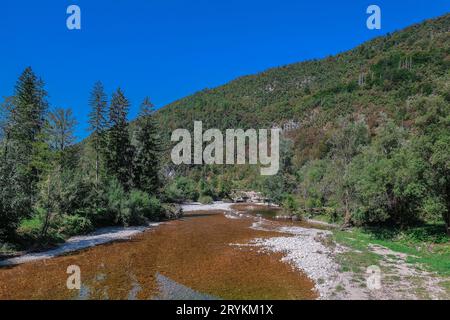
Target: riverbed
[208,254]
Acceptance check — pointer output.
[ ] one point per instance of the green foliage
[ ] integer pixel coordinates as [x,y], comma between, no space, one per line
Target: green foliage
[30,230]
[117,203]
[142,206]
[133,208]
[273,188]
[205,199]
[24,152]
[119,151]
[182,189]
[290,205]
[148,150]
[71,225]
[32,227]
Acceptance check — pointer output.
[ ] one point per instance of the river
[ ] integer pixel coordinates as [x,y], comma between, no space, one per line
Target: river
[200,256]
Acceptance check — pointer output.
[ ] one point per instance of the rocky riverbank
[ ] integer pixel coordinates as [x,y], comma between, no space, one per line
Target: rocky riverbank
[100,236]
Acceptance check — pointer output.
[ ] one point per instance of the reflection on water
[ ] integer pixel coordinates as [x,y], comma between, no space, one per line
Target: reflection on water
[171,290]
[84,293]
[135,289]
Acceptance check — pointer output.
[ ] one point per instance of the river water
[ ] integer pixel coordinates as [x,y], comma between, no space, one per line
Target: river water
[192,258]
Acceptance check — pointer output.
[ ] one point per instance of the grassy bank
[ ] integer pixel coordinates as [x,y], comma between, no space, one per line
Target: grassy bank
[432,251]
[404,257]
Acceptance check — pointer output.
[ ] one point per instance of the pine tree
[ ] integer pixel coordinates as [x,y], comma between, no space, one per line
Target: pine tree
[119,151]
[98,124]
[25,153]
[28,120]
[148,149]
[30,107]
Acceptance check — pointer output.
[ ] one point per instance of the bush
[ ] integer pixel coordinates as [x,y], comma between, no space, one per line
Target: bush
[181,189]
[155,209]
[71,225]
[132,208]
[141,207]
[331,213]
[172,211]
[117,203]
[29,231]
[205,200]
[290,205]
[7,249]
[31,228]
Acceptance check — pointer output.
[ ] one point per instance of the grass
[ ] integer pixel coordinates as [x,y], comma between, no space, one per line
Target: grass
[431,251]
[426,248]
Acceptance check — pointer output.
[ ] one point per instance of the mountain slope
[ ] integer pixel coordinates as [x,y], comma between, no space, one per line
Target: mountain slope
[414,61]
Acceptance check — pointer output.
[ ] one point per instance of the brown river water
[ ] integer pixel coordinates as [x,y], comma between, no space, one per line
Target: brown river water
[189,258]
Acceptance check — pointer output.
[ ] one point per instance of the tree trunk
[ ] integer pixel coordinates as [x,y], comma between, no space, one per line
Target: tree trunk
[96,170]
[348,215]
[447,223]
[47,214]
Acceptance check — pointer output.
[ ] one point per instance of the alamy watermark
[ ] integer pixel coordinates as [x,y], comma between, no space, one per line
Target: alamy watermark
[74,280]
[73,21]
[373,280]
[258,151]
[374,20]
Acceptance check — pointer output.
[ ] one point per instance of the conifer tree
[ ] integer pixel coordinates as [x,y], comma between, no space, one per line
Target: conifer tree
[98,124]
[25,152]
[120,151]
[148,148]
[29,118]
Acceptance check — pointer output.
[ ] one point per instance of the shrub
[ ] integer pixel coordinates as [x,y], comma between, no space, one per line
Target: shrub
[117,203]
[155,209]
[181,189]
[31,228]
[290,205]
[172,211]
[141,206]
[205,199]
[71,225]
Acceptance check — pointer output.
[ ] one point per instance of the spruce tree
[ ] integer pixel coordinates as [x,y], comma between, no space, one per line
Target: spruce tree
[119,151]
[98,124]
[148,148]
[29,119]
[25,150]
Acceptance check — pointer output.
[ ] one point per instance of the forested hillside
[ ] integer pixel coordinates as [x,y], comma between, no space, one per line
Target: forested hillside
[370,136]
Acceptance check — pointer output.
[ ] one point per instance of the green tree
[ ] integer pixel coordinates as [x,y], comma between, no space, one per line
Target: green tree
[98,124]
[433,144]
[24,150]
[61,128]
[345,143]
[120,150]
[148,150]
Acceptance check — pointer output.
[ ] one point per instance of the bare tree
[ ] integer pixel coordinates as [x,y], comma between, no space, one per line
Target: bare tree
[61,128]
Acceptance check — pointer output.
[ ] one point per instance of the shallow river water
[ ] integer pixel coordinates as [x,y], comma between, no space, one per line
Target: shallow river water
[190,258]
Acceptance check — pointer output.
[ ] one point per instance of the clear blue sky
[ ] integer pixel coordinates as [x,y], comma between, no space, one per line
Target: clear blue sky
[168,49]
